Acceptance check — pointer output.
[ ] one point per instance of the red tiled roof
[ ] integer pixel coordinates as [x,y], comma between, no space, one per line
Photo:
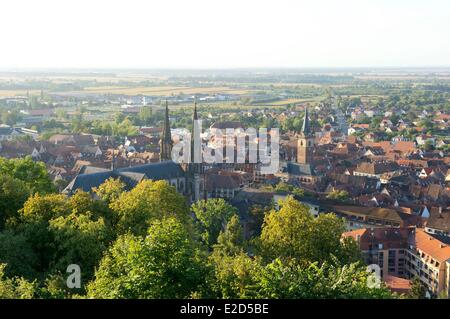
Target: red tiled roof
[390,237]
[431,246]
[397,284]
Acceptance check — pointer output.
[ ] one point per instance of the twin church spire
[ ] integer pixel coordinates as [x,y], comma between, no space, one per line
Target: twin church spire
[166,143]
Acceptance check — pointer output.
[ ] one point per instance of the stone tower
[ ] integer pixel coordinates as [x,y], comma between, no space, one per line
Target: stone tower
[195,168]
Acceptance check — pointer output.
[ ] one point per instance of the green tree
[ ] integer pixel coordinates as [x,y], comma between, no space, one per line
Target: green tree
[13,194]
[283,188]
[11,117]
[80,240]
[287,232]
[235,276]
[257,214]
[286,188]
[110,190]
[292,232]
[291,280]
[17,287]
[17,254]
[212,215]
[33,174]
[42,208]
[418,290]
[149,200]
[339,195]
[145,115]
[164,264]
[33,224]
[83,203]
[231,240]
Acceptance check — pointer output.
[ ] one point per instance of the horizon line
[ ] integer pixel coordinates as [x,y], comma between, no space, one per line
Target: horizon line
[145,68]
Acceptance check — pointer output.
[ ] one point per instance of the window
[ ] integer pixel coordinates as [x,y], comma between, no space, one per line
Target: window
[381,259]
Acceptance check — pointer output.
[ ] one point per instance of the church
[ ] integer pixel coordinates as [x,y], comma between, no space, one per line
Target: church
[303,168]
[188,179]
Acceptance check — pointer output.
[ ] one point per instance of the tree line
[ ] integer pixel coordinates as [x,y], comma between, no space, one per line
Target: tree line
[148,242]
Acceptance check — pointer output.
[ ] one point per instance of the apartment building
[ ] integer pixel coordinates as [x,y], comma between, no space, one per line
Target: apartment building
[385,247]
[429,259]
[358,217]
[407,253]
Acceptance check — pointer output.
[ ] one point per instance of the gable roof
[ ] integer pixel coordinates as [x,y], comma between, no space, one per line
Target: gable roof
[129,175]
[430,245]
[439,220]
[373,212]
[376,168]
[221,181]
[299,169]
[390,237]
[157,171]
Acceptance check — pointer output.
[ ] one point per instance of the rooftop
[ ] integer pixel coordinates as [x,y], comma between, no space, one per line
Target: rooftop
[430,245]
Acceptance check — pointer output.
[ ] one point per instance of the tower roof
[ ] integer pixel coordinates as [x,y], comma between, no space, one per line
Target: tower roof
[166,135]
[195,136]
[166,138]
[195,116]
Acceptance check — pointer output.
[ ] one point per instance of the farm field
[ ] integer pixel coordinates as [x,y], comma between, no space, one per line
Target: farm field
[162,90]
[11,93]
[289,101]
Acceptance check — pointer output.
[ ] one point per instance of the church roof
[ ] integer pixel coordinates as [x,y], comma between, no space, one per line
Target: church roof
[86,182]
[129,175]
[157,171]
[298,169]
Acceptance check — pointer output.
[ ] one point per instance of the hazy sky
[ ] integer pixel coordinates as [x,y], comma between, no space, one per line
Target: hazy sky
[224,34]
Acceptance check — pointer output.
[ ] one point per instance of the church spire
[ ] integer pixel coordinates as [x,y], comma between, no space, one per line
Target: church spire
[305,143]
[195,149]
[166,138]
[195,117]
[195,167]
[306,131]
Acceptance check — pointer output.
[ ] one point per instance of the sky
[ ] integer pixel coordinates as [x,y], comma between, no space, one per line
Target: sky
[223,34]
